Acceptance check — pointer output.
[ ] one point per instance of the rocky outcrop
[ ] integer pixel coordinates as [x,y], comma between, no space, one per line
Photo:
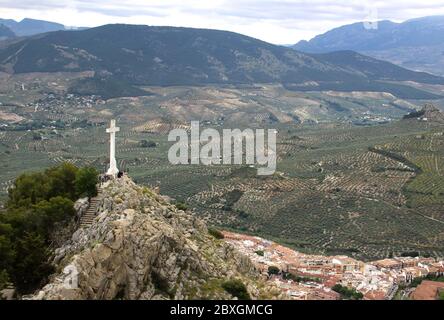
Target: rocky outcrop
[432,113]
[428,113]
[142,247]
[80,206]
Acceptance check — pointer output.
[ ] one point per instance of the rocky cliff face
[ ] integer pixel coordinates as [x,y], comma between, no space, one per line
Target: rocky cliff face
[141,247]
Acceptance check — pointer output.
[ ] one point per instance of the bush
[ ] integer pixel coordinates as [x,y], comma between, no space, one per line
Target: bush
[181,206]
[242,214]
[231,198]
[147,144]
[260,253]
[216,233]
[86,182]
[237,289]
[347,293]
[273,270]
[410,254]
[416,282]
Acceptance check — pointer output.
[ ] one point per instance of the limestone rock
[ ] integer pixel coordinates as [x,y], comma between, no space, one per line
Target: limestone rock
[80,206]
[142,247]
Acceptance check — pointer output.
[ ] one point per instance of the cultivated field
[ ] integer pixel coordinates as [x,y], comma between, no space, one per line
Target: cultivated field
[366,191]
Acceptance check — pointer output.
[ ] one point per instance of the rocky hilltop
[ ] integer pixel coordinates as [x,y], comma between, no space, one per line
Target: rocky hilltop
[140,246]
[428,113]
[432,113]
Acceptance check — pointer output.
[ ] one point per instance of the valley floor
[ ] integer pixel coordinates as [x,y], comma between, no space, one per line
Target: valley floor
[356,182]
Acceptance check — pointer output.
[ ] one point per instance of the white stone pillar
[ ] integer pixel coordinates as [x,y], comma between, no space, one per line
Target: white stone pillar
[112,149]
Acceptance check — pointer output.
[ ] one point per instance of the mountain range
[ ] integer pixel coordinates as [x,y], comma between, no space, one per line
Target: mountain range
[29,27]
[145,55]
[416,44]
[5,32]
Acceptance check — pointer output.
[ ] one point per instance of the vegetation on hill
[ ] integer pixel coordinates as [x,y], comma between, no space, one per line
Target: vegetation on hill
[38,203]
[272,270]
[417,281]
[414,114]
[404,92]
[347,293]
[237,289]
[106,87]
[86,181]
[181,206]
[216,233]
[396,157]
[147,144]
[296,278]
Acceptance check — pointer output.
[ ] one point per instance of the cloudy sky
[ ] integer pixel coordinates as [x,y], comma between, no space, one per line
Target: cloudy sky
[276,21]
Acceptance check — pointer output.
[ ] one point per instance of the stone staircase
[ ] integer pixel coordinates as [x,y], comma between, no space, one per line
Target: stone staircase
[88,217]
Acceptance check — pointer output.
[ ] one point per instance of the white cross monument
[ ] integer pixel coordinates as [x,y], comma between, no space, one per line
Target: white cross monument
[112,171]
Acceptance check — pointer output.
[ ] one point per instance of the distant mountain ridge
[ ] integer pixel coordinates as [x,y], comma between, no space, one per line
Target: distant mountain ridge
[416,44]
[5,32]
[28,27]
[144,55]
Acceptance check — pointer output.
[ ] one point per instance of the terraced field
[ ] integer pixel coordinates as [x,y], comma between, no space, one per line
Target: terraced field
[366,191]
[331,194]
[425,192]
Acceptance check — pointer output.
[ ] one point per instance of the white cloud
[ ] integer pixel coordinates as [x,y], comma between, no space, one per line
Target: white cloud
[276,21]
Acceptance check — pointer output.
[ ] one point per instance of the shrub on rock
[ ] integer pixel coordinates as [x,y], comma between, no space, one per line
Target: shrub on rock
[237,289]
